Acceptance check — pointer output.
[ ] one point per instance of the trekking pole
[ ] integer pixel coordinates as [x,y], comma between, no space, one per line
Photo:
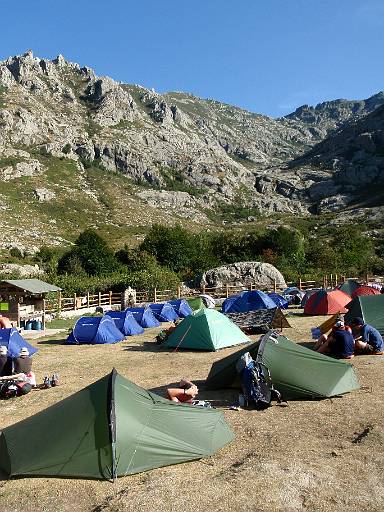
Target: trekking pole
[182,339]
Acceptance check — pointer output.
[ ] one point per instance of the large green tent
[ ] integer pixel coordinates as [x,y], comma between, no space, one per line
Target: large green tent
[299,373]
[223,373]
[370,308]
[205,329]
[108,429]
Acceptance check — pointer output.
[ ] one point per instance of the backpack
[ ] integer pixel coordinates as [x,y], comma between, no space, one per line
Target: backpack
[11,388]
[8,389]
[256,383]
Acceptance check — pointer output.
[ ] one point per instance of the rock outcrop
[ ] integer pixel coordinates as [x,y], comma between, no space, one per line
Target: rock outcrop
[263,275]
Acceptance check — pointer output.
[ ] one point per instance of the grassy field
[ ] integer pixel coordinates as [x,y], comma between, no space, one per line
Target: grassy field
[322,455]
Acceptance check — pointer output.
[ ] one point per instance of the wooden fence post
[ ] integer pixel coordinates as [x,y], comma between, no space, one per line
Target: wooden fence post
[299,283]
[226,290]
[178,292]
[75,302]
[43,319]
[155,295]
[203,288]
[366,278]
[99,301]
[110,297]
[335,280]
[59,300]
[87,299]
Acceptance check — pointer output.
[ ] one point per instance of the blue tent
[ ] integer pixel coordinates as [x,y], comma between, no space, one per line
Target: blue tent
[125,322]
[144,317]
[164,312]
[279,300]
[94,330]
[14,342]
[247,301]
[181,307]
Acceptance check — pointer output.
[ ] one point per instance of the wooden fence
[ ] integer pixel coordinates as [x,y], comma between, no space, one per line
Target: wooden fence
[79,302]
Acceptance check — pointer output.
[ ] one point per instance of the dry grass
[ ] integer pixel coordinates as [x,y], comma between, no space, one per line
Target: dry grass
[312,455]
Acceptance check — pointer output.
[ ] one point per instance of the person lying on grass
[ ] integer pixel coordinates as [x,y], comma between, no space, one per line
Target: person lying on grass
[186,392]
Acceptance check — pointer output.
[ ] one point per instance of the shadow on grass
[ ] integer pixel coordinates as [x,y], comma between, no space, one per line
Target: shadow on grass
[146,346]
[51,341]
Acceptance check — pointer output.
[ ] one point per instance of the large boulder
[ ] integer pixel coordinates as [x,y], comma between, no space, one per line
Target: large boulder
[263,275]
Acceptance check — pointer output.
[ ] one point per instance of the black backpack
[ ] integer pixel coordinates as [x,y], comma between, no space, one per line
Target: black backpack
[256,382]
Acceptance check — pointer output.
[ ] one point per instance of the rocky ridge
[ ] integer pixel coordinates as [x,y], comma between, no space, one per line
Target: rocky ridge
[61,126]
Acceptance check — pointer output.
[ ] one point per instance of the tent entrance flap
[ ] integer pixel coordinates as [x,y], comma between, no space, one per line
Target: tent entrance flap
[112,420]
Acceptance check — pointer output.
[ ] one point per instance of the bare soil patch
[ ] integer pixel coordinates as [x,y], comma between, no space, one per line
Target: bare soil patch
[318,456]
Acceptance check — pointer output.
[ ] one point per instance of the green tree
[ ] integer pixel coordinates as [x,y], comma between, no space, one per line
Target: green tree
[91,254]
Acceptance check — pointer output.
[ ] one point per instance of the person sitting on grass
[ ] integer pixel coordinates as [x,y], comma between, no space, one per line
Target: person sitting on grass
[325,337]
[5,362]
[340,344]
[186,392]
[368,340]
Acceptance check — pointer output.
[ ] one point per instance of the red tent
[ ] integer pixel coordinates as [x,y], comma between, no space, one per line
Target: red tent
[326,302]
[365,290]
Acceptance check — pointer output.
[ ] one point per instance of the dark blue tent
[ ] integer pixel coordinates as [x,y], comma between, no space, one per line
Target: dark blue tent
[247,301]
[144,317]
[125,322]
[14,342]
[164,312]
[94,330]
[181,307]
[279,300]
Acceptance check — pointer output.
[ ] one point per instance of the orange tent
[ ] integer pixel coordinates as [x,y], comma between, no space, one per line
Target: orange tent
[326,302]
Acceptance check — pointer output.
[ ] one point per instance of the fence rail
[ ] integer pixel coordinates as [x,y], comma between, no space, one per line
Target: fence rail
[79,302]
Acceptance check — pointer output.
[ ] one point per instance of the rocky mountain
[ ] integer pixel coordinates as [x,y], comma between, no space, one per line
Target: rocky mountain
[78,150]
[331,115]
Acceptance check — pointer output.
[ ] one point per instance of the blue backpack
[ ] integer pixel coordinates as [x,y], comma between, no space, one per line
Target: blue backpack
[256,382]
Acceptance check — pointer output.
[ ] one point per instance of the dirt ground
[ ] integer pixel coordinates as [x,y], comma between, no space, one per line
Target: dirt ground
[312,455]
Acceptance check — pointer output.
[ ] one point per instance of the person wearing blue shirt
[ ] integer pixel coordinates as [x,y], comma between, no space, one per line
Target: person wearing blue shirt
[340,344]
[367,338]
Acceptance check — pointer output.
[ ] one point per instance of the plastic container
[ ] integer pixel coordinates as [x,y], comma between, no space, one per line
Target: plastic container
[36,325]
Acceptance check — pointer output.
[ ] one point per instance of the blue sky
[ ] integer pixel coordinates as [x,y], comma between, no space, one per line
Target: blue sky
[267,56]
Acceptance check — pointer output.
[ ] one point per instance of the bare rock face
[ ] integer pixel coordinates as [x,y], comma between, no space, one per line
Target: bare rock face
[263,275]
[178,142]
[30,168]
[21,270]
[43,194]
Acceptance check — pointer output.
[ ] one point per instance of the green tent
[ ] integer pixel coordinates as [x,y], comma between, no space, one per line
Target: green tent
[108,429]
[349,286]
[299,373]
[223,373]
[196,303]
[370,308]
[205,329]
